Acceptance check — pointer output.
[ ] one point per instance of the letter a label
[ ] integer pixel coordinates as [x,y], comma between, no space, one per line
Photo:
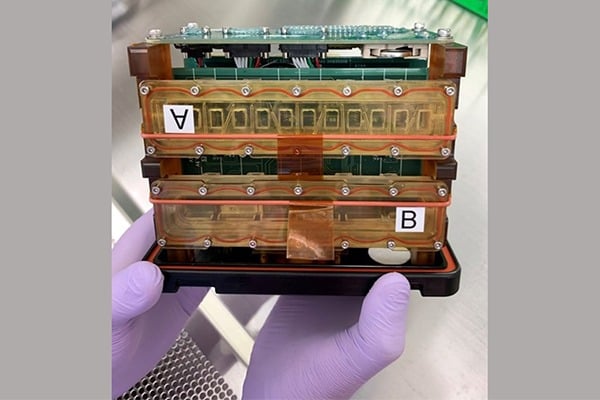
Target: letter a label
[410,219]
[178,118]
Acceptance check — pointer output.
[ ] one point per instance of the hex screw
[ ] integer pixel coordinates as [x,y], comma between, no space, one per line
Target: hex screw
[161,242]
[150,150]
[393,191]
[248,150]
[144,90]
[347,91]
[250,190]
[444,33]
[252,243]
[199,150]
[155,190]
[398,91]
[418,27]
[391,244]
[345,190]
[246,90]
[345,244]
[445,152]
[450,91]
[345,150]
[154,34]
[298,190]
[202,190]
[438,245]
[442,192]
[296,91]
[394,151]
[207,243]
[194,90]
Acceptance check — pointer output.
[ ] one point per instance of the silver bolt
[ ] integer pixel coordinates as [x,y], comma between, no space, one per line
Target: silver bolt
[226,30]
[155,190]
[150,150]
[265,30]
[144,90]
[418,27]
[248,150]
[442,192]
[283,30]
[393,191]
[199,150]
[298,190]
[438,245]
[445,151]
[161,242]
[246,90]
[154,34]
[207,242]
[394,151]
[347,91]
[450,91]
[345,190]
[397,91]
[444,33]
[296,91]
[202,190]
[345,244]
[250,190]
[252,243]
[206,30]
[194,90]
[345,150]
[391,244]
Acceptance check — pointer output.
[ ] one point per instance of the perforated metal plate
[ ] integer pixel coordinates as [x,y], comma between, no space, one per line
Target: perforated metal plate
[184,373]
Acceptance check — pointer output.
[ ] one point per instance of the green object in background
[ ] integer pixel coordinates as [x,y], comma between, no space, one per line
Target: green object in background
[477,7]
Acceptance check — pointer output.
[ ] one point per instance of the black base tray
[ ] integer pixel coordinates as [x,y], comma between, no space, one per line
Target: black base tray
[239,271]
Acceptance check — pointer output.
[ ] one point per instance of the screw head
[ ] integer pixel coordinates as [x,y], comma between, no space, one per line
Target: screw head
[345,190]
[207,243]
[155,190]
[150,150]
[345,150]
[394,151]
[391,244]
[154,34]
[347,91]
[450,91]
[345,244]
[397,91]
[252,243]
[418,27]
[202,190]
[298,190]
[194,90]
[296,91]
[393,191]
[248,150]
[438,245]
[246,90]
[444,33]
[442,192]
[250,190]
[144,90]
[161,242]
[445,151]
[199,150]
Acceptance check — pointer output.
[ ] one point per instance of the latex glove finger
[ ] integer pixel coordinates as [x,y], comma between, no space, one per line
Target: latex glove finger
[134,243]
[309,348]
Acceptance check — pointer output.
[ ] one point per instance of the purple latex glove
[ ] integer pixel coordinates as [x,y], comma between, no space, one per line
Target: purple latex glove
[145,322]
[317,347]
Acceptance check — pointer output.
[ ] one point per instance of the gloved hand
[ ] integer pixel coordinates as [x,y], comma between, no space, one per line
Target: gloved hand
[317,347]
[145,322]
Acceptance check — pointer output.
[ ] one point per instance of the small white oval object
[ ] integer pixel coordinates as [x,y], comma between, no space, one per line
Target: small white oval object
[397,256]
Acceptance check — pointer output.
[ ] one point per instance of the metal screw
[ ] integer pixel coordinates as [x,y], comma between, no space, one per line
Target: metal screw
[250,190]
[442,192]
[252,243]
[202,190]
[418,27]
[398,91]
[206,30]
[161,242]
[445,151]
[296,91]
[199,150]
[391,244]
[154,34]
[345,190]
[394,151]
[283,30]
[347,91]
[345,150]
[393,191]
[144,90]
[450,91]
[444,33]
[150,150]
[246,90]
[155,190]
[438,245]
[248,150]
[194,90]
[345,244]
[207,242]
[298,190]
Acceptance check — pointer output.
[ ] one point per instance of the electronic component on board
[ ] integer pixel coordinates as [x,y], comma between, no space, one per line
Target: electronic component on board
[303,159]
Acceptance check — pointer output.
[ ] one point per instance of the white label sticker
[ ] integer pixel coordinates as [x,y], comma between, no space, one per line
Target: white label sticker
[178,118]
[410,219]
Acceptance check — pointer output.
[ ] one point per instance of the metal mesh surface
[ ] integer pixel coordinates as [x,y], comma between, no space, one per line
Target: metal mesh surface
[184,373]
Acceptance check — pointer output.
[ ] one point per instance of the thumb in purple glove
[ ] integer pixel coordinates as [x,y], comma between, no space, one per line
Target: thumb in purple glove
[315,347]
[145,321]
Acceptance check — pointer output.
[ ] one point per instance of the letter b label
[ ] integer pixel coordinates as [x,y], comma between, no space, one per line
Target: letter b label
[410,219]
